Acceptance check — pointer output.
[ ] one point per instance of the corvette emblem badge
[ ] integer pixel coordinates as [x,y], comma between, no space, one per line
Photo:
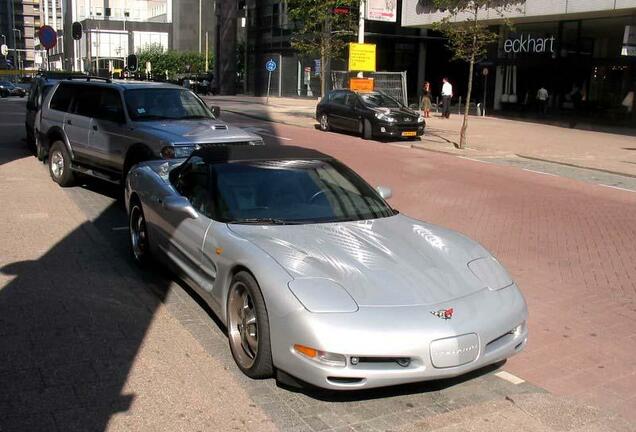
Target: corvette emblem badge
[444,314]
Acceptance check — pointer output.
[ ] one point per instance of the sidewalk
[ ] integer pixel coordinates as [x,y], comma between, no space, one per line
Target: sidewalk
[487,137]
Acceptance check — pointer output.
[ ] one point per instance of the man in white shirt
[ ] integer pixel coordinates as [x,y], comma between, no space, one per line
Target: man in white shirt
[447,94]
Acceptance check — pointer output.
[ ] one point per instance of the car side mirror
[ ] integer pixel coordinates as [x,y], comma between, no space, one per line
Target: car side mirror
[180,205]
[216,111]
[385,192]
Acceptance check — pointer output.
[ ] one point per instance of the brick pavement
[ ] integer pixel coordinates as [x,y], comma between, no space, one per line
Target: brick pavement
[612,150]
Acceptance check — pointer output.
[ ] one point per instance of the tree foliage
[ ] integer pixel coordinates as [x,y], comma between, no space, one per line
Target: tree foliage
[468,37]
[175,62]
[318,31]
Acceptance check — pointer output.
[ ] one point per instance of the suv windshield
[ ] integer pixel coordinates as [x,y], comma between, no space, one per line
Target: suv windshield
[379,100]
[164,103]
[291,191]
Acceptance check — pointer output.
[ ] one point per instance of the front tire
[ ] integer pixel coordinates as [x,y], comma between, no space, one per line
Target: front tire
[248,327]
[60,165]
[367,131]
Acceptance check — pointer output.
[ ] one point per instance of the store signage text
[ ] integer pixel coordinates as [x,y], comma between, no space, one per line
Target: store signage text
[529,44]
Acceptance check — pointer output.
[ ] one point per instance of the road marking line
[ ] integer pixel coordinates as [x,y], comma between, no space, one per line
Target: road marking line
[539,172]
[121,228]
[474,160]
[509,377]
[617,187]
[274,136]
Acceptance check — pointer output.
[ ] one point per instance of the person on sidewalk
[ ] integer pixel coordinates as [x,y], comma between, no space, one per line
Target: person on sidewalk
[447,94]
[542,97]
[426,99]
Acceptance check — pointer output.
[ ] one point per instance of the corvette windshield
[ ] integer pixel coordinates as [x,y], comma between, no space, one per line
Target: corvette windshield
[292,192]
[164,104]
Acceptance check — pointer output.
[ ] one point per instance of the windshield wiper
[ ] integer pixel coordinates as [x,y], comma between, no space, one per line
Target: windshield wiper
[256,221]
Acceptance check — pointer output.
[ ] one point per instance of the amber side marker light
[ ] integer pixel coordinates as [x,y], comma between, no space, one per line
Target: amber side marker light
[325,358]
[309,352]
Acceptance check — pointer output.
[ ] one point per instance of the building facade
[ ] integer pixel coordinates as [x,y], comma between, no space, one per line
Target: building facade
[583,52]
[19,20]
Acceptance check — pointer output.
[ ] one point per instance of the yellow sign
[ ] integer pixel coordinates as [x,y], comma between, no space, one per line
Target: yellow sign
[361,57]
[361,84]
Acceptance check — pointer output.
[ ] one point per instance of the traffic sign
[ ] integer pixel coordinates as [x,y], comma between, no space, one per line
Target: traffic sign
[48,36]
[270,65]
[4,50]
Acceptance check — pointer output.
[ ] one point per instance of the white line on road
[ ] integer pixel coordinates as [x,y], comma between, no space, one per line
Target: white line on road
[509,377]
[474,160]
[617,187]
[539,172]
[122,228]
[274,136]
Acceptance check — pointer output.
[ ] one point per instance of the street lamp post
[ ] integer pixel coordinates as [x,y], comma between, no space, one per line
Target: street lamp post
[361,28]
[16,48]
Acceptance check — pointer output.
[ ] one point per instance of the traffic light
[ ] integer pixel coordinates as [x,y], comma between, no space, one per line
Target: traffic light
[77,30]
[132,63]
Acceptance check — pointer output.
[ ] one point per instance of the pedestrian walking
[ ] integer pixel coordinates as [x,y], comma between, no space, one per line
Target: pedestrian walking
[542,98]
[426,102]
[447,95]
[205,86]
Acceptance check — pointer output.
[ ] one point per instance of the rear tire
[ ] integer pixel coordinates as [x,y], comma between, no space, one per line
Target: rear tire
[367,131]
[60,165]
[138,234]
[248,327]
[324,123]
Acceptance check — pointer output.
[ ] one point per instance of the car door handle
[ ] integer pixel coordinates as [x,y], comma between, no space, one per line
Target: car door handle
[94,127]
[69,122]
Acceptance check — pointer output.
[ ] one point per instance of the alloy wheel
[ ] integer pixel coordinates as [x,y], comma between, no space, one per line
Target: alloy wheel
[138,237]
[57,164]
[324,122]
[242,325]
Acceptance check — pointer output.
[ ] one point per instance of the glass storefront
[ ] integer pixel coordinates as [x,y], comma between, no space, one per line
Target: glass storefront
[578,62]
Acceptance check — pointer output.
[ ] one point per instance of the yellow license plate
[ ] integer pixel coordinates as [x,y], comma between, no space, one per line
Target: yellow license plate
[409,133]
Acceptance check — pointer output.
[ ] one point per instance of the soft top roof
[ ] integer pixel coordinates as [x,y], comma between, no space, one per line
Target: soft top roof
[242,153]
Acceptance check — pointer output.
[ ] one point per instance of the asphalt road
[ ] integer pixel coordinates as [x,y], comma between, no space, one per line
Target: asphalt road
[570,245]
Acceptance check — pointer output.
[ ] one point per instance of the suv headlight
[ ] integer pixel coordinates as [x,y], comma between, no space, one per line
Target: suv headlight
[177,152]
[384,117]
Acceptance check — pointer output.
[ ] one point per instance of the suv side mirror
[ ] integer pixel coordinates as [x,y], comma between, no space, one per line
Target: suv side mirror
[216,111]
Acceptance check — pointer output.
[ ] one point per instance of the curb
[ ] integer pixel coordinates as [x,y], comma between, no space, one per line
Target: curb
[264,118]
[618,173]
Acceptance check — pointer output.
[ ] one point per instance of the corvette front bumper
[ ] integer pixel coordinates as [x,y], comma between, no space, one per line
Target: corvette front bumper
[398,345]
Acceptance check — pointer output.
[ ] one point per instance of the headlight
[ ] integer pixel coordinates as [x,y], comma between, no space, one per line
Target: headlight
[420,119]
[256,142]
[384,117]
[491,273]
[323,357]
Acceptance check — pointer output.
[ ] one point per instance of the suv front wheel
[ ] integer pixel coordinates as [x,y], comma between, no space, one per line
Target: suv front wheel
[60,164]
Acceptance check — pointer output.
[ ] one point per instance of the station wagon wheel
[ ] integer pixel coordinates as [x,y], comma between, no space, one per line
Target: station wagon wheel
[139,242]
[324,122]
[248,327]
[60,164]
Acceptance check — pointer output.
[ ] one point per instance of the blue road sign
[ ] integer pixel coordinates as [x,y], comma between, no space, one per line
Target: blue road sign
[47,36]
[270,65]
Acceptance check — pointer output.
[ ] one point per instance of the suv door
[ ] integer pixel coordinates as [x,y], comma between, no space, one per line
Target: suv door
[77,121]
[107,136]
[59,106]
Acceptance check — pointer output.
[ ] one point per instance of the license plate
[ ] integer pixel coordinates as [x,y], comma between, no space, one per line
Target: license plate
[410,133]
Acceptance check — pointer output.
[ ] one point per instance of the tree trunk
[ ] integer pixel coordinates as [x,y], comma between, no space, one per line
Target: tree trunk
[462,134]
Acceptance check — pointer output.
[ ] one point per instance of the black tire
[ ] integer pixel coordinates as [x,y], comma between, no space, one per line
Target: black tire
[138,234]
[261,363]
[324,122]
[40,151]
[60,165]
[367,131]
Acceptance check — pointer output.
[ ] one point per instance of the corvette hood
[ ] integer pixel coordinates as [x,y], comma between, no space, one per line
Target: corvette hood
[395,261]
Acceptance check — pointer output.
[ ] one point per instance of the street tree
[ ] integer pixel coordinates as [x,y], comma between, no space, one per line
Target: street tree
[468,38]
[175,62]
[323,28]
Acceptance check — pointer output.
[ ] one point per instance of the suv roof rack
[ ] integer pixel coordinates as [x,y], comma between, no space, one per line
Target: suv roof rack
[90,77]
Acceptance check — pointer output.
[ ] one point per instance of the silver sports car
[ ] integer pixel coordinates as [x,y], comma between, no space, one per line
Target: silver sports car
[315,275]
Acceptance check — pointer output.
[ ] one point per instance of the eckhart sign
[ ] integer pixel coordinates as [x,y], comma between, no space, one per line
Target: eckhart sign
[528,44]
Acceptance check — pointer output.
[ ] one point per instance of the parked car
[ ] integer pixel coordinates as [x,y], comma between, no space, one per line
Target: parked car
[371,114]
[102,128]
[7,89]
[316,276]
